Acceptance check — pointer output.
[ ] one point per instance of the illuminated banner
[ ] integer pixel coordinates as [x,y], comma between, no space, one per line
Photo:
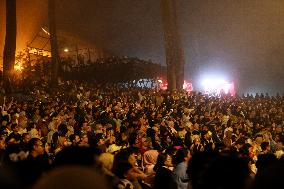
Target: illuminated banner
[186,85]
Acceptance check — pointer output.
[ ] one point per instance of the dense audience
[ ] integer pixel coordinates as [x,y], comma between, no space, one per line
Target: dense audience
[127,137]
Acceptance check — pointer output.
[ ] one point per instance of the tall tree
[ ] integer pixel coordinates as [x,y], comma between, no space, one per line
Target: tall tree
[173,47]
[53,42]
[10,42]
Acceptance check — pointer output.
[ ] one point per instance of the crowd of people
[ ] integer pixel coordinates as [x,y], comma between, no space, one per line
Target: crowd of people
[86,135]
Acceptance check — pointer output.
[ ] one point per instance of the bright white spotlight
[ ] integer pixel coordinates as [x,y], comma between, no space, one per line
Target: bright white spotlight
[66,50]
[217,86]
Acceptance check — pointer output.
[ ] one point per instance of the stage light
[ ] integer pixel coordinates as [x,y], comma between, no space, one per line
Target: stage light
[66,50]
[213,82]
[18,67]
[217,86]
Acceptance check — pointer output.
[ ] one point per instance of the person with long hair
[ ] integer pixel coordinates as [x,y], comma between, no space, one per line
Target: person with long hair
[163,171]
[126,158]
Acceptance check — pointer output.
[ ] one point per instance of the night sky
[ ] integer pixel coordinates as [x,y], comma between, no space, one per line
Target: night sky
[242,40]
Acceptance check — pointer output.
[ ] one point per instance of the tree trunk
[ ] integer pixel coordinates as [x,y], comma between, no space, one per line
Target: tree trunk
[173,47]
[10,43]
[179,54]
[53,43]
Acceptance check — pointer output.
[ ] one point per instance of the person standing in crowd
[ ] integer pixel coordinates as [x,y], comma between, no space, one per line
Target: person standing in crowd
[148,161]
[208,143]
[125,167]
[197,146]
[180,177]
[163,171]
[37,162]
